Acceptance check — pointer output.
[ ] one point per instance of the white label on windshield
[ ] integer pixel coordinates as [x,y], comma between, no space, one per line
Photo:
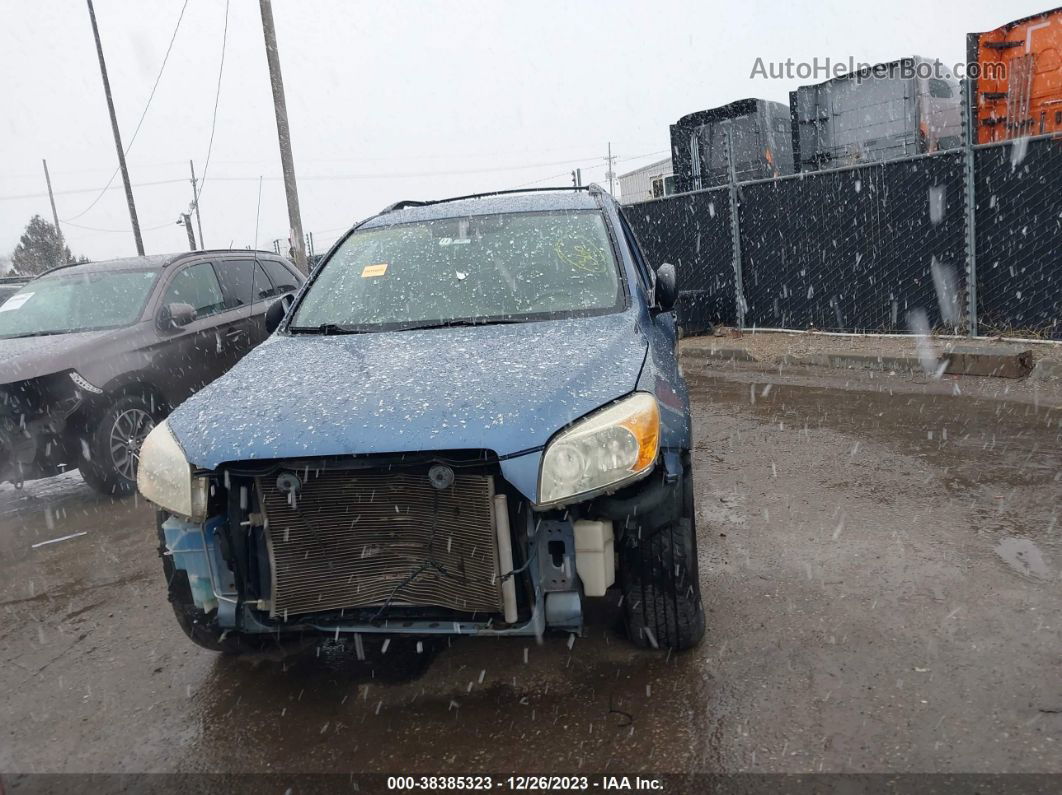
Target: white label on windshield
[15,302]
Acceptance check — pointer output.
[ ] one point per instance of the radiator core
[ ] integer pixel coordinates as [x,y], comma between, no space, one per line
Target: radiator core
[355,539]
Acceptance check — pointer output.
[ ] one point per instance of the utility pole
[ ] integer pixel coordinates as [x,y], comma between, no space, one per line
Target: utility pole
[610,174]
[195,205]
[186,221]
[51,198]
[117,135]
[284,135]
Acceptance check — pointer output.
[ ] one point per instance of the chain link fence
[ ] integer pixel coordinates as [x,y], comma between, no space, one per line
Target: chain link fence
[881,247]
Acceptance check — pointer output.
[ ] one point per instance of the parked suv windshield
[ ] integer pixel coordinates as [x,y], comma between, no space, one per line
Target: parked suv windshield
[67,302]
[489,268]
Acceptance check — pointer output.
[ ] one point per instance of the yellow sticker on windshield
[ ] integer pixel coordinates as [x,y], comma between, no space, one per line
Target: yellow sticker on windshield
[373,270]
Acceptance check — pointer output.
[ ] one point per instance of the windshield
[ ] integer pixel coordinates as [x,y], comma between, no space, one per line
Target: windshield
[492,268]
[67,302]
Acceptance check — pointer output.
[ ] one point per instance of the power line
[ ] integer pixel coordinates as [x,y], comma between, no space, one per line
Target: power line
[143,115]
[410,174]
[217,98]
[403,158]
[74,191]
[378,175]
[565,173]
[123,231]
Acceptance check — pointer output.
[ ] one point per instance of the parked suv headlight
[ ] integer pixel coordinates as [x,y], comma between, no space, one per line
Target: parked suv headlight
[164,475]
[611,447]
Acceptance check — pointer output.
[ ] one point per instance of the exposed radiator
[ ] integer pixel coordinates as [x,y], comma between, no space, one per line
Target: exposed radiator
[349,539]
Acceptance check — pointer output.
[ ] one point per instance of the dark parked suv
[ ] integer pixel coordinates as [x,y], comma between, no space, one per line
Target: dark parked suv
[93,355]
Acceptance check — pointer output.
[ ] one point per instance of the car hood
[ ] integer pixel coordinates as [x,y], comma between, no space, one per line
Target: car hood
[31,357]
[505,388]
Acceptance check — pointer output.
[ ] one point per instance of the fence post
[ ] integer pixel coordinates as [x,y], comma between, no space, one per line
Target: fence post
[970,204]
[735,231]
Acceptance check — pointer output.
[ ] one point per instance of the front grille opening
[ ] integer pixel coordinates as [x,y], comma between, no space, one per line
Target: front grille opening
[347,539]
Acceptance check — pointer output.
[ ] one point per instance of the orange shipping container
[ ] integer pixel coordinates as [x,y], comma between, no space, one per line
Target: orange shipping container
[1019,89]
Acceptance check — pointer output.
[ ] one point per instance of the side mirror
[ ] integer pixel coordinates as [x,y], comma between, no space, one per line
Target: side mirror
[174,316]
[275,314]
[666,289]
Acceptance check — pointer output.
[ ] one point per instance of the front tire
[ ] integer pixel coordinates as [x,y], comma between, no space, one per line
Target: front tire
[660,581]
[113,445]
[197,625]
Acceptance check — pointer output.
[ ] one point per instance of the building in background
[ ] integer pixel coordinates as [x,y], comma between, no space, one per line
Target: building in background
[860,118]
[1019,89]
[762,136]
[648,182]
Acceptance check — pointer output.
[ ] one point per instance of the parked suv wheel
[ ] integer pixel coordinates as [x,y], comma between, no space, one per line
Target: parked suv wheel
[114,445]
[661,586]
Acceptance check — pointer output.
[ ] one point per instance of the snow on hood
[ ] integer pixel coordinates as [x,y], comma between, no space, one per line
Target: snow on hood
[505,388]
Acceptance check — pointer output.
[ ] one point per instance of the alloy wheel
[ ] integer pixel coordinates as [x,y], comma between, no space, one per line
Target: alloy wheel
[127,434]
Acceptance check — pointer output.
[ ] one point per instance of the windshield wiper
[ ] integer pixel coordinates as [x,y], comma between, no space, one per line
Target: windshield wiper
[39,334]
[455,323]
[326,329]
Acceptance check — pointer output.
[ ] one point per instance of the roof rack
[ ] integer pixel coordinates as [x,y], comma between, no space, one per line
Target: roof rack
[401,205]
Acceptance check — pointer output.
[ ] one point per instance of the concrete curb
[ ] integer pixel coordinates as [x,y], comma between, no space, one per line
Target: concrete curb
[958,361]
[1012,362]
[719,353]
[1001,363]
[854,361]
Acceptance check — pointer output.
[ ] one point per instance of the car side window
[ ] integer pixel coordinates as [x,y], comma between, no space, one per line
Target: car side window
[243,282]
[283,279]
[198,286]
[636,252]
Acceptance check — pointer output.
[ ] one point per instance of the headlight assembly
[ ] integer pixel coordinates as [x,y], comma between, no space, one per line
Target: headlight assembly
[164,476]
[604,451]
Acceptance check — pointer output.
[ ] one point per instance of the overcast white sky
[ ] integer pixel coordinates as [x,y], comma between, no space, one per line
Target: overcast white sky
[391,100]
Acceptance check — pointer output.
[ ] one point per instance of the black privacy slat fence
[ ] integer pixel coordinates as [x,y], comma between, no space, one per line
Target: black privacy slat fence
[881,247]
[693,235]
[1019,236]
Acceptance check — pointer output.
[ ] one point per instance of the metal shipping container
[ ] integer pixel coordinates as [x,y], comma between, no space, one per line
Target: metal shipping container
[1019,89]
[762,144]
[905,107]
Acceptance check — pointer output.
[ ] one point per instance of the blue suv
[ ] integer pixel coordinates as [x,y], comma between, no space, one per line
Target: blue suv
[469,421]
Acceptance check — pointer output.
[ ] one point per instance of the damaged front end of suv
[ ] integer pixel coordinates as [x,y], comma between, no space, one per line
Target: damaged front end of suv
[421,543]
[463,478]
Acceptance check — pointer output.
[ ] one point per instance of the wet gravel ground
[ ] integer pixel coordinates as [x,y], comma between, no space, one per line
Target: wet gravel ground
[881,565]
